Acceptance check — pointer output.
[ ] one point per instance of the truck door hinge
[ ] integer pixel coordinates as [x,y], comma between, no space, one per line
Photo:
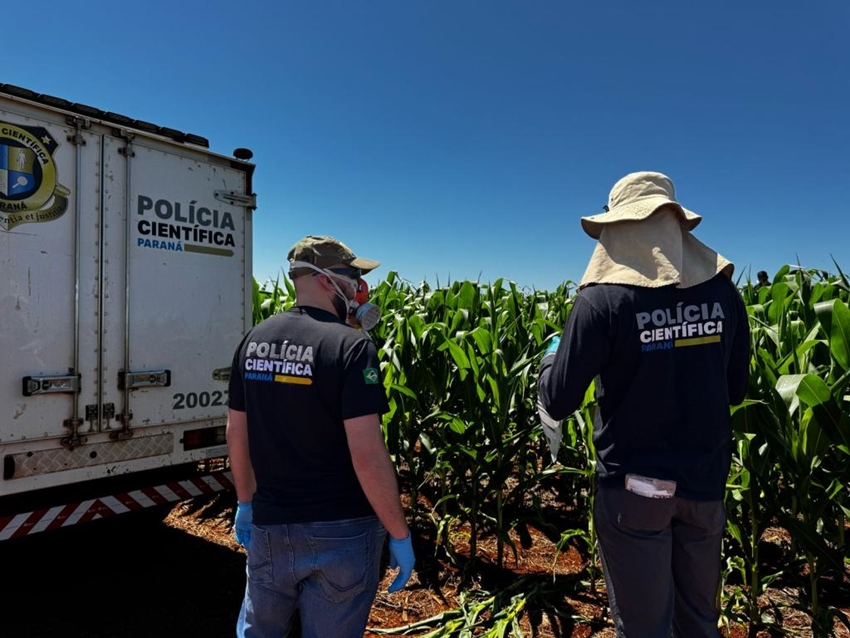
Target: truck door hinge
[125,432]
[126,151]
[92,415]
[221,374]
[79,123]
[73,440]
[237,199]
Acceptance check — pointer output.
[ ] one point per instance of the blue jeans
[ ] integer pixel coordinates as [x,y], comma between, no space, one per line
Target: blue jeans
[328,572]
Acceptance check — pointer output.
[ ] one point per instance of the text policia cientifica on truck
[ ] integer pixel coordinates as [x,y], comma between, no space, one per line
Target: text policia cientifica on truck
[125,249]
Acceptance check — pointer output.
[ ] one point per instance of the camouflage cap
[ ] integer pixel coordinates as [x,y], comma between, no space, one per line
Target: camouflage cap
[324,251]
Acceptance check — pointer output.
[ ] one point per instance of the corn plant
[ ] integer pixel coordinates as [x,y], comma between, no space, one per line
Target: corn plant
[792,434]
[460,369]
[485,614]
[271,298]
[460,365]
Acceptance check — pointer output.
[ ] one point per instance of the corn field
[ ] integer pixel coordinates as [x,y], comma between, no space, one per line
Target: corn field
[460,369]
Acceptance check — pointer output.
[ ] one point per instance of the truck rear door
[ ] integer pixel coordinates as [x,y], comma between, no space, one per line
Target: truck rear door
[182,295]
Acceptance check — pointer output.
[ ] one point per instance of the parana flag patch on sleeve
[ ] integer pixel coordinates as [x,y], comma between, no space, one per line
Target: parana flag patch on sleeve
[370,376]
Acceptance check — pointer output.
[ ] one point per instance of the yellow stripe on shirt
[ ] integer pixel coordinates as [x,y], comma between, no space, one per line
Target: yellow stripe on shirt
[283,378]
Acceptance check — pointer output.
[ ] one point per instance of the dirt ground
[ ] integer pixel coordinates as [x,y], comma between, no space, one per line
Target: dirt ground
[576,611]
[435,585]
[181,574]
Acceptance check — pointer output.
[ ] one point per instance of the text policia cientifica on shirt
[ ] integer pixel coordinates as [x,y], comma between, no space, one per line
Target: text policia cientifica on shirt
[283,363]
[680,326]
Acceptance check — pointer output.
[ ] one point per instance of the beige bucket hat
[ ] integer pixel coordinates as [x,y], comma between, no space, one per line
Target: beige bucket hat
[644,239]
[635,197]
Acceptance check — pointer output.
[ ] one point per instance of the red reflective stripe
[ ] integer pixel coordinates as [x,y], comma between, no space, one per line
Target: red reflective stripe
[202,485]
[29,523]
[178,489]
[225,479]
[129,502]
[153,495]
[63,515]
[100,509]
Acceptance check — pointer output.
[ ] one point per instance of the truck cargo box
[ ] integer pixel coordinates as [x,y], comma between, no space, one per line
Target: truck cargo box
[125,249]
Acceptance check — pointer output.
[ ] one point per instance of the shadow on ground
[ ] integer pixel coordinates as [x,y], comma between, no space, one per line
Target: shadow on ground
[127,577]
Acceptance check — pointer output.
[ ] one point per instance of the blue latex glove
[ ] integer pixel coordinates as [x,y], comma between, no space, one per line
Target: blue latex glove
[401,556]
[553,345]
[243,523]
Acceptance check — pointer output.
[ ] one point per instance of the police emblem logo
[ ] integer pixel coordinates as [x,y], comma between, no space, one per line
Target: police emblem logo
[17,171]
[29,192]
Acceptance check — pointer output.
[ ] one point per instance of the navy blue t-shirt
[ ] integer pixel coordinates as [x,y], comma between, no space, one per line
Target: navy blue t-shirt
[298,376]
[668,363]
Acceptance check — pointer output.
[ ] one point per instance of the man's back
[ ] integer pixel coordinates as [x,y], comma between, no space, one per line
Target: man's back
[659,325]
[297,387]
[316,487]
[677,359]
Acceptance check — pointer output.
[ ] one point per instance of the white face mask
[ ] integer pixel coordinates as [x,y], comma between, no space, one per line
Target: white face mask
[362,314]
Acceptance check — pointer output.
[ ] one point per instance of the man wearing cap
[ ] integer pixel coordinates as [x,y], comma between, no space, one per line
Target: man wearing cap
[316,487]
[660,327]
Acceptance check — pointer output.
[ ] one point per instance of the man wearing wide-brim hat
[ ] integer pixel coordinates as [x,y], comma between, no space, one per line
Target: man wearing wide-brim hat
[660,326]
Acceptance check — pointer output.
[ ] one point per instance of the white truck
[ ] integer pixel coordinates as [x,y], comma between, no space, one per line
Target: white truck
[126,285]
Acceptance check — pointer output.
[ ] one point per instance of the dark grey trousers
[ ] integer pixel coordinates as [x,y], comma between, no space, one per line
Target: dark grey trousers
[661,558]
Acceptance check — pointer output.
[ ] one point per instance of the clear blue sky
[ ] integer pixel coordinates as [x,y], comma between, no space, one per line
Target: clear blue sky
[464,139]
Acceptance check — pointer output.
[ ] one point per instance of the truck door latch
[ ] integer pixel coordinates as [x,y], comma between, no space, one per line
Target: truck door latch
[221,374]
[147,379]
[51,384]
